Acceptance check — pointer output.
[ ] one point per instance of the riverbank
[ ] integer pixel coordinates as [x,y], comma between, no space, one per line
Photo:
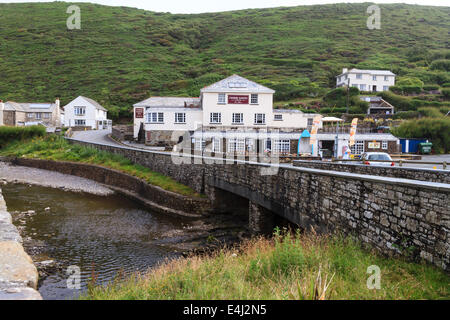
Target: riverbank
[287,267]
[18,274]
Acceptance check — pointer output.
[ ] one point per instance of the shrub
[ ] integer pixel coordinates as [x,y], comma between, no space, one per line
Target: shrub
[430,87]
[11,134]
[411,89]
[406,115]
[437,130]
[442,64]
[446,92]
[399,102]
[410,81]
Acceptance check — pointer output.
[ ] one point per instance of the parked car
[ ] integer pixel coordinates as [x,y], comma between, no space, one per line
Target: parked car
[377,159]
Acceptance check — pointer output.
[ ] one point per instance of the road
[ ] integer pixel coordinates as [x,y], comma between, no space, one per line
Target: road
[101,136]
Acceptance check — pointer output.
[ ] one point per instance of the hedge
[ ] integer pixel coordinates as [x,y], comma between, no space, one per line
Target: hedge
[9,134]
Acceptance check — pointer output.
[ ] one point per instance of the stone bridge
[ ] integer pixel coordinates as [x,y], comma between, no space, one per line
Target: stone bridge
[395,215]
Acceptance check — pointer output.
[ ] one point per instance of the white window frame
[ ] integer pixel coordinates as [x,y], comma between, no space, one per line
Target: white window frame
[30,115]
[180,117]
[222,98]
[359,76]
[362,87]
[80,122]
[254,98]
[38,115]
[79,111]
[374,78]
[385,88]
[215,117]
[386,78]
[236,145]
[217,145]
[358,147]
[237,116]
[281,146]
[384,145]
[155,117]
[260,118]
[310,122]
[278,117]
[199,144]
[46,115]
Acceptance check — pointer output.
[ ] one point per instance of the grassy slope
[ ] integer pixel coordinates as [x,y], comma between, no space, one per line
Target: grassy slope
[57,148]
[286,268]
[123,55]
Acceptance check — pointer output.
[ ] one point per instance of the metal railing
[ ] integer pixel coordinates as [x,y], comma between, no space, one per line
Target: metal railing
[444,164]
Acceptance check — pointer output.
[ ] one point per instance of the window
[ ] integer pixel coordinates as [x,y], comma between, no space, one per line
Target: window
[180,117]
[38,115]
[46,115]
[217,145]
[358,147]
[80,122]
[254,99]
[384,145]
[215,117]
[79,111]
[268,145]
[30,115]
[386,78]
[155,117]
[355,86]
[238,118]
[362,87]
[359,76]
[385,88]
[199,144]
[278,117]
[236,145]
[260,118]
[310,122]
[222,98]
[282,146]
[374,78]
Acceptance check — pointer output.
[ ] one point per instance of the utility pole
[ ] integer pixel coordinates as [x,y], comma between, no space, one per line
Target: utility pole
[348,95]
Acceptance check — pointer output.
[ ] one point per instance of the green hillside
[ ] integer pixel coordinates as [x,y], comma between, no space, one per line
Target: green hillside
[123,55]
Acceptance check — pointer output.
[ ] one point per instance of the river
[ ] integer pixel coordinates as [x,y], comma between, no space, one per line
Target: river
[102,235]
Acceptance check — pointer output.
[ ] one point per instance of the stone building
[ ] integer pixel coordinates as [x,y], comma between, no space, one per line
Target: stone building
[21,114]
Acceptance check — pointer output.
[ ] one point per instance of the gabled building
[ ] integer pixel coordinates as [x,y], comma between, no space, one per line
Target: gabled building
[87,113]
[232,104]
[378,106]
[366,80]
[22,114]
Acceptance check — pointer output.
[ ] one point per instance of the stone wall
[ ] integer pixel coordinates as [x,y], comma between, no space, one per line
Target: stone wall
[441,176]
[123,132]
[18,275]
[155,197]
[397,216]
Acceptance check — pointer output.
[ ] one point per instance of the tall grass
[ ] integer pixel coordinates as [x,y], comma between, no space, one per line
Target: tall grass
[9,134]
[57,148]
[300,266]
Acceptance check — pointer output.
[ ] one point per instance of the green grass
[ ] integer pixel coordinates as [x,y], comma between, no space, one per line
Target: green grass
[8,134]
[287,267]
[57,148]
[123,55]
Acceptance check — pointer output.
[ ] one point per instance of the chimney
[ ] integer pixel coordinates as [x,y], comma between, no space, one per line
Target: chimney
[345,70]
[58,113]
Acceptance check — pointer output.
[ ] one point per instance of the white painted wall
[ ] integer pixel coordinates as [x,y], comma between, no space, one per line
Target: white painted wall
[2,107]
[193,120]
[92,113]
[265,105]
[367,79]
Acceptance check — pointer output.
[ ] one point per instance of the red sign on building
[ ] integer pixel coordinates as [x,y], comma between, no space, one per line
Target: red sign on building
[139,113]
[238,99]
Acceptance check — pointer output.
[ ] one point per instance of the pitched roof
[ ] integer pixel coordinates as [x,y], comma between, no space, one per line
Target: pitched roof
[29,107]
[169,102]
[372,72]
[236,83]
[94,103]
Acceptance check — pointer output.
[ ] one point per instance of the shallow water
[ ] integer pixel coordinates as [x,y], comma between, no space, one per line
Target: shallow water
[104,234]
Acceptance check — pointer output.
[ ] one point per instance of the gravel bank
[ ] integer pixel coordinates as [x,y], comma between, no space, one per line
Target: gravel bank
[17,174]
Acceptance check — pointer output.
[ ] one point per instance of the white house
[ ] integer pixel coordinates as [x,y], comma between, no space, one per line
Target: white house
[234,103]
[366,80]
[85,112]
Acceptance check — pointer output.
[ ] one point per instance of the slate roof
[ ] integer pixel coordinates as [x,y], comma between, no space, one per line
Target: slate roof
[29,107]
[372,72]
[237,84]
[94,103]
[170,102]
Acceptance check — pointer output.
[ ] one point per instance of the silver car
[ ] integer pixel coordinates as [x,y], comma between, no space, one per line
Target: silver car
[377,159]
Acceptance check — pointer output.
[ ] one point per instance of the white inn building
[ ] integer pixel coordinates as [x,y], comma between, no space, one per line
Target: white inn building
[366,80]
[232,104]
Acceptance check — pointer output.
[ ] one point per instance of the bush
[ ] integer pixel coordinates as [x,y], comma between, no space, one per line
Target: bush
[442,64]
[446,92]
[406,115]
[399,102]
[411,89]
[410,81]
[430,87]
[11,134]
[446,85]
[437,130]
[430,112]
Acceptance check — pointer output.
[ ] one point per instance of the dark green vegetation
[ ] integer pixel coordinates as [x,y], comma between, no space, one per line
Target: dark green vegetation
[57,148]
[437,130]
[10,134]
[287,267]
[123,55]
